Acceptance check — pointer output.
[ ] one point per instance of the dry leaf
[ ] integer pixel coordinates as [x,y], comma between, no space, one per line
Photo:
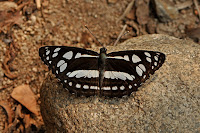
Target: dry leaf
[9,18]
[24,95]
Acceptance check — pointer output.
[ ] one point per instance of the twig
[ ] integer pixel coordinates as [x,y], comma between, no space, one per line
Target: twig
[8,110]
[197,7]
[22,5]
[10,55]
[184,5]
[130,5]
[120,35]
[38,3]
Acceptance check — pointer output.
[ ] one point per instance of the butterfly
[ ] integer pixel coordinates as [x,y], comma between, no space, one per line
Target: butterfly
[88,73]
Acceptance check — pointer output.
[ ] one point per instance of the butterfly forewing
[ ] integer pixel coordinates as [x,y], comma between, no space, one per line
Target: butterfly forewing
[152,60]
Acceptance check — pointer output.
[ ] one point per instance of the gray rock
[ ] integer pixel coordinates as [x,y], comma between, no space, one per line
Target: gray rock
[165,10]
[167,102]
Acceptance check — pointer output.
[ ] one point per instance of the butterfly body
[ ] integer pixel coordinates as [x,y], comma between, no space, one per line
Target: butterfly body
[85,72]
[101,66]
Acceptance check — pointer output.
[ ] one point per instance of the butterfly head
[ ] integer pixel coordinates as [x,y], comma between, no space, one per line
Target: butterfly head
[103,50]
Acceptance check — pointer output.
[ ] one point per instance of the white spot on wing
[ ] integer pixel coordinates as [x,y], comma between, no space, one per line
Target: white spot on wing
[119,75]
[47,57]
[50,62]
[94,87]
[68,73]
[94,73]
[156,58]
[80,73]
[78,55]
[142,67]
[147,54]
[135,58]
[133,76]
[118,57]
[78,86]
[72,74]
[84,73]
[60,63]
[86,55]
[114,88]
[56,50]
[54,55]
[70,83]
[128,76]
[86,87]
[90,73]
[48,51]
[148,59]
[68,55]
[122,87]
[130,86]
[63,67]
[139,71]
[126,58]
[65,81]
[155,63]
[106,88]
[109,75]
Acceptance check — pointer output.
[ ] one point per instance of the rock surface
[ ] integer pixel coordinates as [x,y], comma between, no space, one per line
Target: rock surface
[167,102]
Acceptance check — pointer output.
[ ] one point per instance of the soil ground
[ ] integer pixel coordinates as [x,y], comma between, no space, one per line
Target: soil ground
[25,27]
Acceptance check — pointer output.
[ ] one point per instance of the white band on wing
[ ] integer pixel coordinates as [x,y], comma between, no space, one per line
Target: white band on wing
[95,74]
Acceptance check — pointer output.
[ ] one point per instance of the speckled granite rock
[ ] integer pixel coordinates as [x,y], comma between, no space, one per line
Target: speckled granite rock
[167,102]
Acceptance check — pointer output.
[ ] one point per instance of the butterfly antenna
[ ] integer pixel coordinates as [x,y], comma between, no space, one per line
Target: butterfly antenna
[93,35]
[121,35]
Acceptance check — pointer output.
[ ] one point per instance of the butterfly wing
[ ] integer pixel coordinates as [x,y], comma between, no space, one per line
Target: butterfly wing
[127,70]
[76,68]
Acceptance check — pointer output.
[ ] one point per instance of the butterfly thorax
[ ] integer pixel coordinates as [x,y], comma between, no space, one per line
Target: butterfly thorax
[101,65]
